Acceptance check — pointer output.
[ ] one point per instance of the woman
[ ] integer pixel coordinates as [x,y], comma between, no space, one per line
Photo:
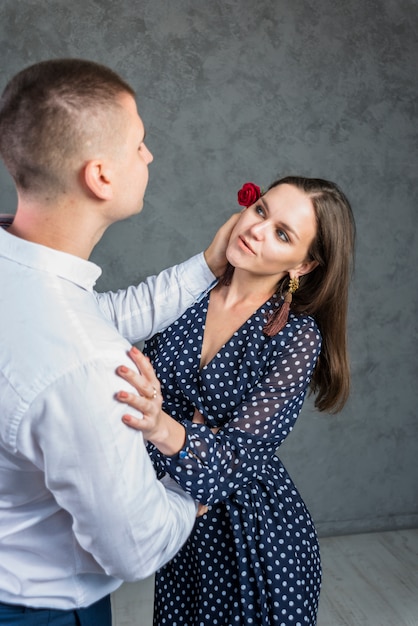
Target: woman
[234,371]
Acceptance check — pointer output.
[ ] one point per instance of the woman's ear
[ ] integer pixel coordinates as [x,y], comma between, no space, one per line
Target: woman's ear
[306,267]
[98,180]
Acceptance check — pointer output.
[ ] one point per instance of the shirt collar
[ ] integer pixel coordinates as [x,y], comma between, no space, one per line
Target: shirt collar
[72,268]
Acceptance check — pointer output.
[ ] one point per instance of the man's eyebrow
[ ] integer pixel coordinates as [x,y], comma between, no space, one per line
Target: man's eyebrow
[282,224]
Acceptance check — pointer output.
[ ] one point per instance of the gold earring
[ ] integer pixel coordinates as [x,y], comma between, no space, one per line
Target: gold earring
[293,286]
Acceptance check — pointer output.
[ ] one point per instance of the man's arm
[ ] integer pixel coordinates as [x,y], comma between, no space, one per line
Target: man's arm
[145,309]
[140,311]
[100,472]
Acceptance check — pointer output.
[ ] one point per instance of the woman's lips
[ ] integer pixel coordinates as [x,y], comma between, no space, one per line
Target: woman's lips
[245,245]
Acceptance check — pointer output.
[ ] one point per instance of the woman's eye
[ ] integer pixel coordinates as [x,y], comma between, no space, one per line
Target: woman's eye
[259,209]
[282,235]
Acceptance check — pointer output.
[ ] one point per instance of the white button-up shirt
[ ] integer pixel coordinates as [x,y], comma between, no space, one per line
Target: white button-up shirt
[80,506]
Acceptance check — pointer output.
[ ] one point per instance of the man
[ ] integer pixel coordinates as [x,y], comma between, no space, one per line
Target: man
[80,507]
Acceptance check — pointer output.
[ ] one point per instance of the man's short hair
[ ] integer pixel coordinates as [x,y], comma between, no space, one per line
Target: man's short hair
[45,111]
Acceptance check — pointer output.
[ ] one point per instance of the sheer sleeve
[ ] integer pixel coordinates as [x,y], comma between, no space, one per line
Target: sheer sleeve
[213,466]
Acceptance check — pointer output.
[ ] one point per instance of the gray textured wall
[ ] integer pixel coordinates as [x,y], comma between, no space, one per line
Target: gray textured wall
[246,90]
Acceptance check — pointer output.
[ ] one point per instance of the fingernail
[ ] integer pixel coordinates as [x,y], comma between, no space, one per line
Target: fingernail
[122,394]
[134,350]
[122,369]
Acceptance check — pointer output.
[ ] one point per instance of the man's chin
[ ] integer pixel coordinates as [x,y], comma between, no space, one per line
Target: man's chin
[136,211]
[139,209]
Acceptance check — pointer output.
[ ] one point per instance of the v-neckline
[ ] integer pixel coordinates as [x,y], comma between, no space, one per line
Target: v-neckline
[235,333]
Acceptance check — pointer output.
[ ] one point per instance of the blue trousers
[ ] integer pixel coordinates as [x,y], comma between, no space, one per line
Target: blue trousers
[98,614]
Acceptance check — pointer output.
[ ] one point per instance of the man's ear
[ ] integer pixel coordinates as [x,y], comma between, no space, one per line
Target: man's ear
[98,180]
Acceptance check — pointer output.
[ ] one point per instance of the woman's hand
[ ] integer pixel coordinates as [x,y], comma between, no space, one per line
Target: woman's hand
[158,427]
[149,402]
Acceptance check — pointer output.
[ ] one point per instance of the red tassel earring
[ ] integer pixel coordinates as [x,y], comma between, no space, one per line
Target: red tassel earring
[276,323]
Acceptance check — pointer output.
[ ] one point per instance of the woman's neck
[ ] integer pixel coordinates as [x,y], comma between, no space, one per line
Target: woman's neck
[247,289]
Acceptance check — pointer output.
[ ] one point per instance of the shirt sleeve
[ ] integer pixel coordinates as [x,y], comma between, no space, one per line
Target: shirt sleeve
[213,466]
[99,472]
[141,311]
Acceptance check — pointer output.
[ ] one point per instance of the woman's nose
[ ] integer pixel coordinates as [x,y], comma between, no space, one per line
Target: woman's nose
[257,230]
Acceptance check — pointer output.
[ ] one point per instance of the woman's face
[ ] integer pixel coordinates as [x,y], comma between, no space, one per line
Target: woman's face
[272,237]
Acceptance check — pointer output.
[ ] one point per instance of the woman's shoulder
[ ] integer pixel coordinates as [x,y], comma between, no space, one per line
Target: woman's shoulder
[302,320]
[298,326]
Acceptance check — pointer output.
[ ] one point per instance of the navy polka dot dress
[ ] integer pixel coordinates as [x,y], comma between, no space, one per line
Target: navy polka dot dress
[253,559]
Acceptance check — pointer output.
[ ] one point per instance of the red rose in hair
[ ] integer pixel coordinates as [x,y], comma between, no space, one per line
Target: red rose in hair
[248,194]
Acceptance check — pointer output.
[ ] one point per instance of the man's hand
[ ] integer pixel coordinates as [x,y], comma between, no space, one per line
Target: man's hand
[202,509]
[215,253]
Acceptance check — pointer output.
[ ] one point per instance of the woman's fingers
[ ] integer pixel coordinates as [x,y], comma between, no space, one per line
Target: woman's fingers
[134,422]
[147,407]
[138,382]
[142,362]
[149,418]
[146,370]
[143,379]
[147,401]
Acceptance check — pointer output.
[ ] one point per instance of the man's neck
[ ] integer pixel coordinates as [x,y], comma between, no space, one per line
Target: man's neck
[70,230]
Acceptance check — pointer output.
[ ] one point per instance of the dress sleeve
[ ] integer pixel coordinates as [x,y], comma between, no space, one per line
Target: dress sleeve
[143,310]
[211,467]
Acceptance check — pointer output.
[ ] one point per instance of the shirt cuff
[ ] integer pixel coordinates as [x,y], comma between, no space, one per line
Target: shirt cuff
[195,273]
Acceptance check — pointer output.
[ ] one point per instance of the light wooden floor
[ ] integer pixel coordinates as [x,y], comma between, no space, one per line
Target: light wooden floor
[368,580]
